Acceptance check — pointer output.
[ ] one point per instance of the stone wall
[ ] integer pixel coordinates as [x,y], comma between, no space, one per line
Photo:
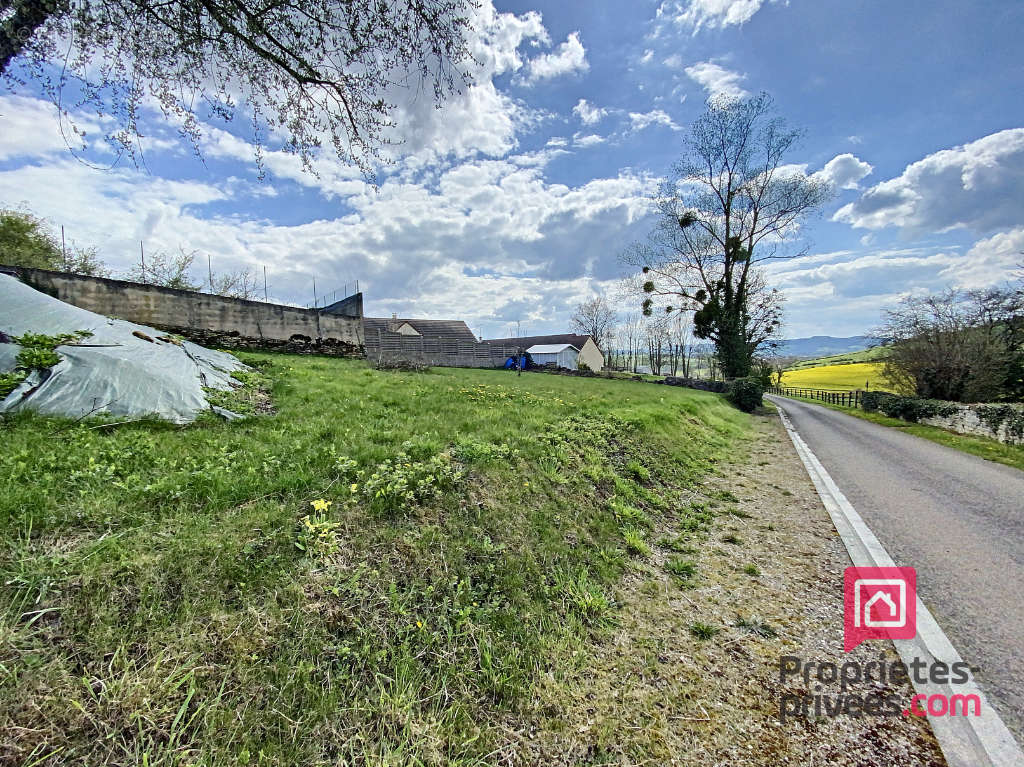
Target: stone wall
[1004,423]
[216,321]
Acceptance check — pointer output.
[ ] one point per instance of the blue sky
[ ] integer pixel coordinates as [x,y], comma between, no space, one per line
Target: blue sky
[515,201]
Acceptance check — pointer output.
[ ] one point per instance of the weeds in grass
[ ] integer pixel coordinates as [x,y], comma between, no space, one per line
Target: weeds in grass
[757,627]
[585,598]
[399,482]
[732,538]
[629,515]
[736,512]
[638,471]
[677,543]
[636,542]
[249,396]
[703,631]
[482,453]
[753,570]
[681,568]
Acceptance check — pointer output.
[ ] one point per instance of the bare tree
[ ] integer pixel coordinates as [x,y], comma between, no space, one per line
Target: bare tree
[729,205]
[964,347]
[313,70]
[240,284]
[165,270]
[595,318]
[628,338]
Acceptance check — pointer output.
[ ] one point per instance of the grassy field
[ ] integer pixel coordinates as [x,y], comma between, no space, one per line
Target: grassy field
[866,355]
[378,574]
[845,377]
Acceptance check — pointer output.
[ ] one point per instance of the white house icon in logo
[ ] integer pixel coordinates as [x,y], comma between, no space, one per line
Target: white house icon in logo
[897,610]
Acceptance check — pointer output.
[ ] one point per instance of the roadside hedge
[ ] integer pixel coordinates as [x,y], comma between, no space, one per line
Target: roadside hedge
[745,393]
[907,408]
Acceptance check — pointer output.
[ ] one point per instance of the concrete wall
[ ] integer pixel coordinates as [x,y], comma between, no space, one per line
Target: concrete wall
[231,323]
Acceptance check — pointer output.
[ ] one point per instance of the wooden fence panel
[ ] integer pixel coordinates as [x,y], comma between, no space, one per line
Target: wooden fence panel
[852,399]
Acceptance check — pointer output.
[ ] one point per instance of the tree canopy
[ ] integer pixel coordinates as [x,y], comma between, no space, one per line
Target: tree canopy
[730,204]
[25,240]
[307,71]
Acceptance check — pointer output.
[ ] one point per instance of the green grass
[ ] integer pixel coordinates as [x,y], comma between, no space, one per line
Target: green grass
[874,354]
[379,573]
[983,447]
[704,631]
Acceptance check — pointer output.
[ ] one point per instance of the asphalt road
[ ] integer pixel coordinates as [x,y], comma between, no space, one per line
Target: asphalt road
[957,519]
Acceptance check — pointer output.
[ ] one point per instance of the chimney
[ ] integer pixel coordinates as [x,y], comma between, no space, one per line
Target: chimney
[394,316]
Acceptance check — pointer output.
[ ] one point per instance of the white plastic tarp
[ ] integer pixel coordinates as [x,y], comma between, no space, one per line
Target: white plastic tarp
[112,372]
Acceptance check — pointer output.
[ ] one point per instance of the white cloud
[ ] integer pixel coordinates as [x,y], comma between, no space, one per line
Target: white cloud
[979,185]
[569,57]
[646,58]
[31,128]
[414,246]
[989,261]
[844,171]
[588,113]
[641,120]
[717,80]
[714,14]
[480,118]
[588,140]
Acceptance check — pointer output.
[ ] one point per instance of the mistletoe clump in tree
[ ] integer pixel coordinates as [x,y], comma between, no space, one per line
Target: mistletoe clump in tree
[309,71]
[729,205]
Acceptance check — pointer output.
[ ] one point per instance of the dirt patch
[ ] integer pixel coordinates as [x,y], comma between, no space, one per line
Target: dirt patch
[690,673]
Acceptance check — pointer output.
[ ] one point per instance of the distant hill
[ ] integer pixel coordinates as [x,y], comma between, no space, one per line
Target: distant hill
[822,346]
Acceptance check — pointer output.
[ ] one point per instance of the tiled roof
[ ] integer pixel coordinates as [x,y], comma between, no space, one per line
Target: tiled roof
[448,329]
[526,341]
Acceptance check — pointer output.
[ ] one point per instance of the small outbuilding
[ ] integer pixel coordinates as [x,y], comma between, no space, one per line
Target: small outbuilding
[589,353]
[561,355]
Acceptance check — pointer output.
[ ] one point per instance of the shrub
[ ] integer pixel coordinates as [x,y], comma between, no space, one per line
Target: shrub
[745,393]
[872,400]
[907,408]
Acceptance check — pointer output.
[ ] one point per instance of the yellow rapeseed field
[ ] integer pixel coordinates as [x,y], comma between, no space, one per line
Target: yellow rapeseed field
[857,375]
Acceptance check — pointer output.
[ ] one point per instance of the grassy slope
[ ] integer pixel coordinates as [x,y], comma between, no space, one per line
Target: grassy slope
[990,449]
[157,609]
[873,354]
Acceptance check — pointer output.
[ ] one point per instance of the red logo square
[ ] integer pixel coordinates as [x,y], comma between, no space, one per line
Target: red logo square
[879,603]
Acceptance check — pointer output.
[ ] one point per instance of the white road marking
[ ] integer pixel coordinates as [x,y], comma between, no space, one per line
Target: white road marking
[966,741]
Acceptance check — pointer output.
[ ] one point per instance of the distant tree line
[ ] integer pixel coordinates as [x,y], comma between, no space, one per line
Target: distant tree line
[26,240]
